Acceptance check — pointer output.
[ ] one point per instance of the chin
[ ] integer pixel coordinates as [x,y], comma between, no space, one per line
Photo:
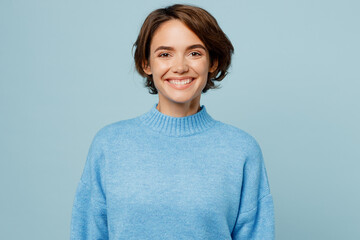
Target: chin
[181,101]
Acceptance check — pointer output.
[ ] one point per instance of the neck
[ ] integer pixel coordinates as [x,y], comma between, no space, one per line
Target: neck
[177,126]
[174,109]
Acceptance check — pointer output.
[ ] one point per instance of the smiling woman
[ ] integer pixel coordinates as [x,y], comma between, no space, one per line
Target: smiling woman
[191,41]
[179,64]
[174,172]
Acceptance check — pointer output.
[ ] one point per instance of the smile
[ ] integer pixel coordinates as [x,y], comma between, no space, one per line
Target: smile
[181,82]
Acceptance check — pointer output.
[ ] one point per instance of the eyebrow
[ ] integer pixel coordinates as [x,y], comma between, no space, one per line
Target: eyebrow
[188,48]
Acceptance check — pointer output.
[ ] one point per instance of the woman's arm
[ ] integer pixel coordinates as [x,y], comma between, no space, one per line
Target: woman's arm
[256,211]
[89,216]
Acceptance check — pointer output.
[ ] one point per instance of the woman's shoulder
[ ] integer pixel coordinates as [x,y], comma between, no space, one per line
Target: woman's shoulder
[115,130]
[237,136]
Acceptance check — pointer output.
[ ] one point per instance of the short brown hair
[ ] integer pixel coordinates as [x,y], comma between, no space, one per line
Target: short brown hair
[202,23]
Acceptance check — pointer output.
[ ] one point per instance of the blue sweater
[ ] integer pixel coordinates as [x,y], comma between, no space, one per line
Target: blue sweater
[161,177]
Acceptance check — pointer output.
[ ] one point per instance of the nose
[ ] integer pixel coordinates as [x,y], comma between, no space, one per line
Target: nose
[180,65]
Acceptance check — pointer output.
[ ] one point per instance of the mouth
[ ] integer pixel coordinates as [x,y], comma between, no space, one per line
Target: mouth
[182,81]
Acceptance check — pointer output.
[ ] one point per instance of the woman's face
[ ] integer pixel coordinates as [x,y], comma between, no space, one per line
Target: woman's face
[179,63]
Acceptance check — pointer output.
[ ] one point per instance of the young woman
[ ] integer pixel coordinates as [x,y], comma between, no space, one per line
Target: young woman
[174,172]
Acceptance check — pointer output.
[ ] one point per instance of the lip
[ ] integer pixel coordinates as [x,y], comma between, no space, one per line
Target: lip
[178,78]
[178,86]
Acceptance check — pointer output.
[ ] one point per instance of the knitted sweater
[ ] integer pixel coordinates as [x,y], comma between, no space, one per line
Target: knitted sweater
[161,177]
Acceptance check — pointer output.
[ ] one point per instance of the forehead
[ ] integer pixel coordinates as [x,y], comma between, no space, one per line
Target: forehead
[174,33]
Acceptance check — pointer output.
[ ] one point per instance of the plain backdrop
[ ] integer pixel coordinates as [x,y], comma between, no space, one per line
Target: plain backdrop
[66,70]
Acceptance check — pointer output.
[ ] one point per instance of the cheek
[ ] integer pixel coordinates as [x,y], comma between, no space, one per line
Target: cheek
[201,67]
[159,68]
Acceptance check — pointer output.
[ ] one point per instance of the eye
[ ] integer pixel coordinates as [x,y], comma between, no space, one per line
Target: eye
[164,55]
[195,54]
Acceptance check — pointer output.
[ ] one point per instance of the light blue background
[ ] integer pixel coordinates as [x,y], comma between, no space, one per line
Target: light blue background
[66,70]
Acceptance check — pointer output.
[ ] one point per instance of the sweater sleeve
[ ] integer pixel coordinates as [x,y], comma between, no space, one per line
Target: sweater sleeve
[255,219]
[89,216]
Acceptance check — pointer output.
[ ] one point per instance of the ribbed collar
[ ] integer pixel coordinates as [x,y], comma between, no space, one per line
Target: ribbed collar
[177,126]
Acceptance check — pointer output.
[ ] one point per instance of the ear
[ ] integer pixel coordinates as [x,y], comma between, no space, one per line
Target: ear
[215,64]
[147,68]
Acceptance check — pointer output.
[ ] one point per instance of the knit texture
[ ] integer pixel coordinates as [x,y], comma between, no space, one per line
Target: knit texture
[161,177]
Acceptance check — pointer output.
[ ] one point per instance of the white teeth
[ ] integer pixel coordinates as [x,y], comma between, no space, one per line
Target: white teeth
[181,82]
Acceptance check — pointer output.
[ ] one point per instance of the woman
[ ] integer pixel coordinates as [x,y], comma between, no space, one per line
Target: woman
[175,172]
